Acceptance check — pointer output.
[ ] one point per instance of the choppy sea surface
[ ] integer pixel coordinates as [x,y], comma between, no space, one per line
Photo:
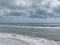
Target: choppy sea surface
[29,34]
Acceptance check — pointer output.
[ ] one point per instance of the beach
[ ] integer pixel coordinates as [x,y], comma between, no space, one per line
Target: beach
[13,39]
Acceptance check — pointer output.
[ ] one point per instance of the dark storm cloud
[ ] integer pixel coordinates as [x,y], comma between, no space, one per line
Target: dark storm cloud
[30,8]
[57,10]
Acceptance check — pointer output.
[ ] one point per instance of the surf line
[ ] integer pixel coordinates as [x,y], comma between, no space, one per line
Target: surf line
[34,27]
[29,26]
[46,27]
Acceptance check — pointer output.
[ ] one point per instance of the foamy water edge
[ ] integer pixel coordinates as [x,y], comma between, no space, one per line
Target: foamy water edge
[27,26]
[30,40]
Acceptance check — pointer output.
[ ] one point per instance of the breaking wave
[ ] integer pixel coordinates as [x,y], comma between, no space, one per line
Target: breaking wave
[14,39]
[26,26]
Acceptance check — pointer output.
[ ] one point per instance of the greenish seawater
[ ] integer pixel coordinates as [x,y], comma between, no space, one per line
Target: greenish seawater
[49,33]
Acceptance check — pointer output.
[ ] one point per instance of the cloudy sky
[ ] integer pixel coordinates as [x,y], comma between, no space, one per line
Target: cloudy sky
[30,11]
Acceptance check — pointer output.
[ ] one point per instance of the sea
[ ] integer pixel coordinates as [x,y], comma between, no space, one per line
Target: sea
[29,34]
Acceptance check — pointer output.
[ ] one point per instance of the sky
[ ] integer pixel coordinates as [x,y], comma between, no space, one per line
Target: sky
[29,11]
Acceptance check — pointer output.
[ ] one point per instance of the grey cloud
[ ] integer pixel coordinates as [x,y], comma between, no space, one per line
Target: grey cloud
[57,10]
[36,8]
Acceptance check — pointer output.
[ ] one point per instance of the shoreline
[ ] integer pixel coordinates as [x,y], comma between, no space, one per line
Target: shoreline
[12,40]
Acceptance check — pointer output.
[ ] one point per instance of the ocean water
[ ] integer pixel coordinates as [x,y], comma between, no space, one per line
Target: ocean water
[29,34]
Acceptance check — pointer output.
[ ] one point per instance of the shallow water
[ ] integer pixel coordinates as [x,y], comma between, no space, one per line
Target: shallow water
[13,39]
[44,34]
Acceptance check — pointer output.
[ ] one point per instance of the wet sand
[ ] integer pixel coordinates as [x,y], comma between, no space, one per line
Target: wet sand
[12,41]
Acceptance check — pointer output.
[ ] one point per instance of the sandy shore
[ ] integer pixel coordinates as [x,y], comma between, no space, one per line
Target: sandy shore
[12,41]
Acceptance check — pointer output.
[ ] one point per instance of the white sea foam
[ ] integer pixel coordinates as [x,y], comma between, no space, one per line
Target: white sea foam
[26,26]
[13,39]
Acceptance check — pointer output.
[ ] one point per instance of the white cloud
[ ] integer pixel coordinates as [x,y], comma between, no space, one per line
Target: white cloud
[4,11]
[22,2]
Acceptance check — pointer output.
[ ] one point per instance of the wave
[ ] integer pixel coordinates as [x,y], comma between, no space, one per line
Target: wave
[14,39]
[26,26]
